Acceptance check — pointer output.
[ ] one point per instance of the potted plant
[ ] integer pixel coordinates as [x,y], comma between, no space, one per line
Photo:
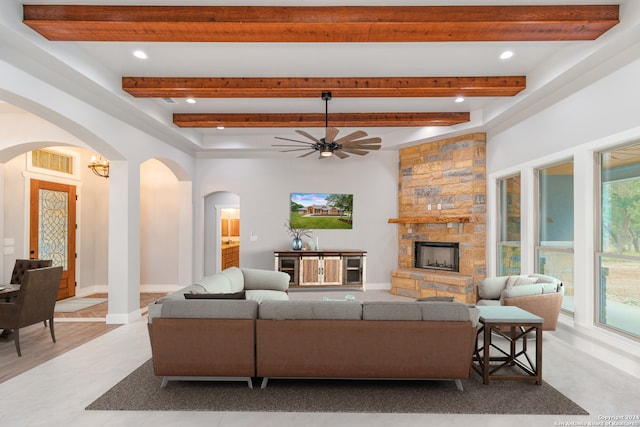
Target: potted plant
[297,234]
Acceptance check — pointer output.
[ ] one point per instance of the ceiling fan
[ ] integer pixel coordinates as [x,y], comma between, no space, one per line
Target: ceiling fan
[328,146]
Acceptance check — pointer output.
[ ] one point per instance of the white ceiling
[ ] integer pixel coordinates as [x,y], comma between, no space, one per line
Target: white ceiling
[93,71]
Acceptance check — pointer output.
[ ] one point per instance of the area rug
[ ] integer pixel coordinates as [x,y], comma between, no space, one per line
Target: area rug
[140,391]
[75,304]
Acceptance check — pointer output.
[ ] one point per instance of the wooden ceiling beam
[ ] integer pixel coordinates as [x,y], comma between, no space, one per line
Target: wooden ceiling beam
[304,120]
[345,87]
[320,23]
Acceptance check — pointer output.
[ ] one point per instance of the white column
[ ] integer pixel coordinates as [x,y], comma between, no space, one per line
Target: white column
[124,242]
[528,217]
[584,234]
[185,234]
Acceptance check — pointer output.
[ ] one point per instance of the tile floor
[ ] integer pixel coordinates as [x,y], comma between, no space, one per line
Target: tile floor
[56,392]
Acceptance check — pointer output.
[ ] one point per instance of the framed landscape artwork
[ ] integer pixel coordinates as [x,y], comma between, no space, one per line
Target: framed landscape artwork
[322,210]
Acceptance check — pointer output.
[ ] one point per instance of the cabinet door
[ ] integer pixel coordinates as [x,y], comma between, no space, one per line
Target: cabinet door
[310,270]
[288,265]
[332,270]
[353,270]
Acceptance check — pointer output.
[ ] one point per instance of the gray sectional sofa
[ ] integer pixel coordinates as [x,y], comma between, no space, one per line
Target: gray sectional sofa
[238,283]
[239,339]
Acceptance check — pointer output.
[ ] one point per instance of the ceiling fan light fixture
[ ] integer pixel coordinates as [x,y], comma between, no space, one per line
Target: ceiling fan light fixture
[326,152]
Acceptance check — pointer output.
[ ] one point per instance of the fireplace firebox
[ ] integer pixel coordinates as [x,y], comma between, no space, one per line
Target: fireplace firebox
[436,256]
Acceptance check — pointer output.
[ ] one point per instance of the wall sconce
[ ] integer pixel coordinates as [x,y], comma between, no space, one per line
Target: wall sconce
[99,166]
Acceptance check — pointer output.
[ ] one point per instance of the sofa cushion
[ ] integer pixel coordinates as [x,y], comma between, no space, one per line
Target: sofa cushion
[217,283]
[519,281]
[310,310]
[522,290]
[261,295]
[388,310]
[210,309]
[179,295]
[543,278]
[485,302]
[449,312]
[235,276]
[491,287]
[205,295]
[265,279]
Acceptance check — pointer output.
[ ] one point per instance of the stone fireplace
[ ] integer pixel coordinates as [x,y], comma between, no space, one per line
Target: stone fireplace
[441,198]
[442,256]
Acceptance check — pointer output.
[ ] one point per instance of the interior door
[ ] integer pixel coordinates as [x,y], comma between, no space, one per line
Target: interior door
[53,229]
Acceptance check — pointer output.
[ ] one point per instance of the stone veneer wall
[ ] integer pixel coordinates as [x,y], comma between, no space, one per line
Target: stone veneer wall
[450,172]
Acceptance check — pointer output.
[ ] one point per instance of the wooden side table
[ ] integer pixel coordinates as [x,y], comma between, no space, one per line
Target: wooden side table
[519,324]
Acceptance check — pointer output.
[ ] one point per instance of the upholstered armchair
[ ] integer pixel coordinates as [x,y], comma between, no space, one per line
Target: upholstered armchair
[35,302]
[23,265]
[536,293]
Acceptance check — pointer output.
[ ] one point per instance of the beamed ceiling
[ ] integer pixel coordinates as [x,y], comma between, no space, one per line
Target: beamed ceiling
[391,94]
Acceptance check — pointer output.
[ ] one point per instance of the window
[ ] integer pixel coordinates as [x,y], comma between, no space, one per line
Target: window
[52,160]
[554,249]
[57,161]
[618,256]
[509,226]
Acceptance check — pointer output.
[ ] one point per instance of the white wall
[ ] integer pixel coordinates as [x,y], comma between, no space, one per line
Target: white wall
[264,187]
[159,197]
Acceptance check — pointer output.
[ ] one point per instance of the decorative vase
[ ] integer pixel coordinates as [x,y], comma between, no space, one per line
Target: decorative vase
[297,244]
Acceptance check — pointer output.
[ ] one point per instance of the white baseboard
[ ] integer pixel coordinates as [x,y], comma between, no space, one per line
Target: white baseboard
[103,289]
[122,319]
[378,286]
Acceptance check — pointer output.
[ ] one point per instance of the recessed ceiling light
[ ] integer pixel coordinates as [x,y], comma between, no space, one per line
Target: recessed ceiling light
[220,127]
[140,54]
[506,54]
[191,101]
[460,99]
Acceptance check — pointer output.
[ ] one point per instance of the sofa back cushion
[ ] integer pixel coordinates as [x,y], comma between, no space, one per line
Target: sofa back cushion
[310,310]
[261,295]
[210,309]
[255,279]
[216,283]
[388,310]
[491,287]
[522,290]
[450,312]
[236,278]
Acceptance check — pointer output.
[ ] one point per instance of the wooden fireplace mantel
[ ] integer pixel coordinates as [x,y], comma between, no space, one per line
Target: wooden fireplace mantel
[430,220]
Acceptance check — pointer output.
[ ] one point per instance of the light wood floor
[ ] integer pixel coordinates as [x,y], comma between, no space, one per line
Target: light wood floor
[36,344]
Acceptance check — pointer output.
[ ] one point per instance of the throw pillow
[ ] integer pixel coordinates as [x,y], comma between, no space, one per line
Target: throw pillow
[235,295]
[519,281]
[441,299]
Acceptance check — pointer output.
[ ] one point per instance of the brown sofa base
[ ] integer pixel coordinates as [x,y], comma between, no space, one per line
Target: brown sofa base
[203,348]
[364,349]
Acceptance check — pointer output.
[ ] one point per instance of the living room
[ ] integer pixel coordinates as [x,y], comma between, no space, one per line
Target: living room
[592,109]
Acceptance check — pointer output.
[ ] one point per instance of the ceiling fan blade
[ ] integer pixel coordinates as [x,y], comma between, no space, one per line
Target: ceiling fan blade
[355,151]
[374,140]
[363,147]
[293,140]
[305,155]
[330,135]
[297,149]
[341,154]
[354,135]
[308,135]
